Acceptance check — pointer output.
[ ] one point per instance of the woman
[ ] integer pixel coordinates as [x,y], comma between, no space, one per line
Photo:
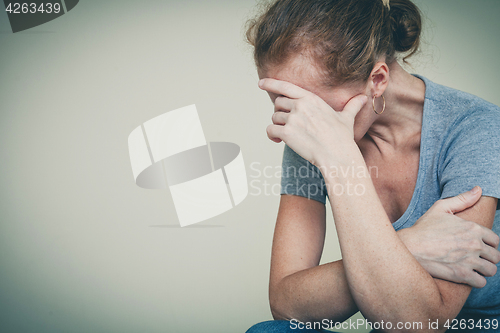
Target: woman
[386,148]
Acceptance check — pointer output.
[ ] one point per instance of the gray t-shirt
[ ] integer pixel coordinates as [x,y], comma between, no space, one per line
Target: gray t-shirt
[459,149]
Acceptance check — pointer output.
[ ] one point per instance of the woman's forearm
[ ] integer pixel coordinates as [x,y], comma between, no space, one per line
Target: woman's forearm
[385,280]
[314,294]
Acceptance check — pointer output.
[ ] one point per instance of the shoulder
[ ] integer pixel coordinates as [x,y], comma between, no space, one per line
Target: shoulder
[439,96]
[455,111]
[464,131]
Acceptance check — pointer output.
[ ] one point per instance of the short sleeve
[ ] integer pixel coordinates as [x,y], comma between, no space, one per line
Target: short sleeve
[471,155]
[300,177]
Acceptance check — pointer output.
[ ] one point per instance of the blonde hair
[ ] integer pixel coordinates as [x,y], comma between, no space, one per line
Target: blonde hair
[345,38]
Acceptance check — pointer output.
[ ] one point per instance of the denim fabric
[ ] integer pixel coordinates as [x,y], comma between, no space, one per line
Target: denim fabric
[280,326]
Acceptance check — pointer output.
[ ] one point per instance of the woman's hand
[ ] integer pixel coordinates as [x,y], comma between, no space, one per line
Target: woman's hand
[307,124]
[451,248]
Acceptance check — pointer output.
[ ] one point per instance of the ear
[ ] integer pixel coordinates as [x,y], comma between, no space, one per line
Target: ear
[379,78]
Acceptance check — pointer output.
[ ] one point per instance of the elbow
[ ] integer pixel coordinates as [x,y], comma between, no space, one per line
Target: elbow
[278,304]
[277,310]
[442,324]
[438,321]
[277,314]
[441,319]
[424,317]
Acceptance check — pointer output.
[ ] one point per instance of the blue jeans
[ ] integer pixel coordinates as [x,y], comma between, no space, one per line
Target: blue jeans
[280,326]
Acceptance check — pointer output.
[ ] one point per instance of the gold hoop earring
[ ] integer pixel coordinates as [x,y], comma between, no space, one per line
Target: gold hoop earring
[383,107]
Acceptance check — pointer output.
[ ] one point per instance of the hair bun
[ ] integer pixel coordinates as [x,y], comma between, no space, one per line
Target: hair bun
[406,25]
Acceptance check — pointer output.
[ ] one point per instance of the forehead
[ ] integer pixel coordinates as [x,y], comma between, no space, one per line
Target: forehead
[304,73]
[298,70]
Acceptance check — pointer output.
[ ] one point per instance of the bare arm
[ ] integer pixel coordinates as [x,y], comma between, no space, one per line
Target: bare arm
[386,281]
[298,287]
[301,289]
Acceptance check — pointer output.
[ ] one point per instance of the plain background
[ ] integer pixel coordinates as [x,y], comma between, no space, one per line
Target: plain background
[82,248]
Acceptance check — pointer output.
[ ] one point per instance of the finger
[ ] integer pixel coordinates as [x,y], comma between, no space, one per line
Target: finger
[284,88]
[486,268]
[490,237]
[275,133]
[280,118]
[490,254]
[460,202]
[283,104]
[354,105]
[476,281]
[470,277]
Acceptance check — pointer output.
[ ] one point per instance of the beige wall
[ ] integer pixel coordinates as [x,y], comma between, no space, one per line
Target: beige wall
[82,248]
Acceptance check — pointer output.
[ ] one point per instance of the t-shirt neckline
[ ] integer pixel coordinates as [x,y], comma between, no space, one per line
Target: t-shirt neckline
[400,223]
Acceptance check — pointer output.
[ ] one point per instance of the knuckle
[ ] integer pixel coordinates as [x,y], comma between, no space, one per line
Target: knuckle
[299,104]
[440,204]
[471,278]
[472,226]
[478,244]
[293,121]
[287,91]
[462,274]
[475,245]
[476,227]
[275,118]
[462,197]
[286,132]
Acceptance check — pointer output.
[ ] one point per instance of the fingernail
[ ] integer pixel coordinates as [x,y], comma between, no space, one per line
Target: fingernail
[475,190]
[364,99]
[261,82]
